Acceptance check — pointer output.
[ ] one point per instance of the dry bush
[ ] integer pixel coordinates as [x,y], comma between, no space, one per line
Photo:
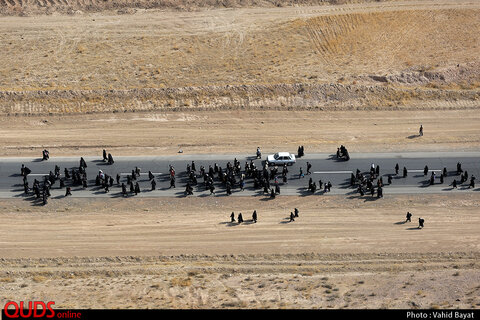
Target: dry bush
[181,282]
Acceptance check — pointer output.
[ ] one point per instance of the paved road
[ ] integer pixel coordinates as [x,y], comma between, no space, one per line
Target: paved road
[324,167]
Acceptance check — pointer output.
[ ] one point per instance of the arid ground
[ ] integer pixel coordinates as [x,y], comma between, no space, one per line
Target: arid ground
[212,77]
[184,253]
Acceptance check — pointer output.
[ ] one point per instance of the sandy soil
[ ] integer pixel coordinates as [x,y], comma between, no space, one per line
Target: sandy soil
[170,253]
[234,132]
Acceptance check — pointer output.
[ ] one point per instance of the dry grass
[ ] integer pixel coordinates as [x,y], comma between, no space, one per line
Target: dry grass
[211,49]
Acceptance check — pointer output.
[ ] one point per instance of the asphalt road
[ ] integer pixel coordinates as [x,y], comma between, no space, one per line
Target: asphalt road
[325,167]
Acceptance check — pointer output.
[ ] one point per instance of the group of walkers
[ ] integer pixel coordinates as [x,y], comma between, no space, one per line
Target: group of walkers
[231,177]
[240,217]
[293,215]
[312,186]
[421,221]
[367,184]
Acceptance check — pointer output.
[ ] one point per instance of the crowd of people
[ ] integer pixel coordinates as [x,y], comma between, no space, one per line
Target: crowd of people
[268,179]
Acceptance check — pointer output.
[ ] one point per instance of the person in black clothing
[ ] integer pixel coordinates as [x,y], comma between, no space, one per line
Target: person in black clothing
[154,184]
[83,164]
[292,216]
[296,212]
[360,190]
[45,155]
[124,189]
[212,189]
[229,189]
[232,217]
[404,172]
[110,159]
[380,192]
[240,218]
[420,223]
[396,169]
[137,188]
[68,192]
[314,187]
[188,190]
[254,216]
[67,175]
[36,190]
[409,217]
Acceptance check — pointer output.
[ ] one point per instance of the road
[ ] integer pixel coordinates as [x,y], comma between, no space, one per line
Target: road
[325,167]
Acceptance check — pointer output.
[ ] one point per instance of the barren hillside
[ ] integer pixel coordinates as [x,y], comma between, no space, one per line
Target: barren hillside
[381,54]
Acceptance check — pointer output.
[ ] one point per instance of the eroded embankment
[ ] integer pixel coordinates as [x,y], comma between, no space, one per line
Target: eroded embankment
[253,97]
[26,7]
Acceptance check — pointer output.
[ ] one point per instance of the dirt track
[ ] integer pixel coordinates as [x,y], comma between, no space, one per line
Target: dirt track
[171,253]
